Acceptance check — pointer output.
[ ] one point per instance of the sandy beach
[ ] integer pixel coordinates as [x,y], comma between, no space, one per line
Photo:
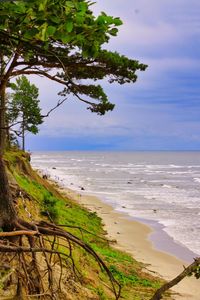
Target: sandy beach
[133,237]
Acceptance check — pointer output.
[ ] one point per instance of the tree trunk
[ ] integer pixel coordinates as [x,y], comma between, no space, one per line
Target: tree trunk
[7,210]
[23,134]
[190,270]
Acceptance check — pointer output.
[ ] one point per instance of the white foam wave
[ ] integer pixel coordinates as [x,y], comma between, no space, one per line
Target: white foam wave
[168,193]
[167,186]
[197,179]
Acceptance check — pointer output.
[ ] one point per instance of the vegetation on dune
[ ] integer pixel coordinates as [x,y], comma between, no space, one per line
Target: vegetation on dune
[37,199]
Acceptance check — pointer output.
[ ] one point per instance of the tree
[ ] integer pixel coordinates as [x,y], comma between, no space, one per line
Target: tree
[62,41]
[24,107]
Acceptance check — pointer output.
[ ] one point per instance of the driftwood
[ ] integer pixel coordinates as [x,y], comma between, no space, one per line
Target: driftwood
[192,269]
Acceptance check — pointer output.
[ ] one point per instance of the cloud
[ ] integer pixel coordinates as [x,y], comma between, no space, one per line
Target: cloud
[162,109]
[158,29]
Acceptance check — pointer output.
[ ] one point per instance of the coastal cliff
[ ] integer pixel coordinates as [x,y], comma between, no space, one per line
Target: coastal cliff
[39,200]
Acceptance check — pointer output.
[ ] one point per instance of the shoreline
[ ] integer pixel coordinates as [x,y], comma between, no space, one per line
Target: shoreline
[133,237]
[162,241]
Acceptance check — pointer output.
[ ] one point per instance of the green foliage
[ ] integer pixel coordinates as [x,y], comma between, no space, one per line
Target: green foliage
[101,294]
[196,272]
[131,278]
[112,255]
[62,40]
[61,21]
[5,273]
[50,209]
[24,107]
[58,209]
[48,202]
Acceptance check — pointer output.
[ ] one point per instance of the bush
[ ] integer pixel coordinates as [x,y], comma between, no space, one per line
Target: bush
[50,209]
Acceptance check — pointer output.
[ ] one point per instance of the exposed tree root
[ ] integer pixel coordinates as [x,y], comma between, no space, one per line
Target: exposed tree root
[45,238]
[18,233]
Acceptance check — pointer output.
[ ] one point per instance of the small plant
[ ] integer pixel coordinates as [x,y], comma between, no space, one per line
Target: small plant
[195,272]
[131,278]
[50,209]
[101,294]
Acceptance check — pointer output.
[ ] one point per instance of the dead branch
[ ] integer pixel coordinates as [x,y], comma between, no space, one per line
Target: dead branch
[60,102]
[18,233]
[186,272]
[83,229]
[21,249]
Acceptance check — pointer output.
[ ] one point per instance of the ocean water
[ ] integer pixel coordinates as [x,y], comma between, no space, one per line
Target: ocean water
[151,186]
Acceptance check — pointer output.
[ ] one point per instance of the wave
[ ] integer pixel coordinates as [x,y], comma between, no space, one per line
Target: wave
[168,193]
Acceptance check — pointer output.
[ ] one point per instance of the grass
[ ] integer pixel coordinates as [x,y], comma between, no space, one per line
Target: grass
[50,204]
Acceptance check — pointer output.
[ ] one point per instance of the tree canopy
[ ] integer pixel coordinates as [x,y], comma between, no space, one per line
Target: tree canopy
[23,108]
[62,40]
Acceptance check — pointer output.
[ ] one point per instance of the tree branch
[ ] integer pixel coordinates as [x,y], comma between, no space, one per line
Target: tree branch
[11,125]
[54,78]
[12,65]
[18,233]
[60,102]
[187,271]
[83,100]
[41,73]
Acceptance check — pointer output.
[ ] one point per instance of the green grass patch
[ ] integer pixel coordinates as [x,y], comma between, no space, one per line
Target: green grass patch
[113,255]
[131,278]
[61,211]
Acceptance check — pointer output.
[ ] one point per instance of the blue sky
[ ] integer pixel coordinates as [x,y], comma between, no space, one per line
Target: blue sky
[159,112]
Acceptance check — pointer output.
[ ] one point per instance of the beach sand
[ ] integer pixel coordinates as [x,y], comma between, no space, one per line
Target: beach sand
[133,237]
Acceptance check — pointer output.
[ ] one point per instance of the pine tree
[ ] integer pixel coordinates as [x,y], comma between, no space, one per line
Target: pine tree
[24,107]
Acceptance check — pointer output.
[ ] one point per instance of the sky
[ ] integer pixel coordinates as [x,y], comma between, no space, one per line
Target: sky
[161,111]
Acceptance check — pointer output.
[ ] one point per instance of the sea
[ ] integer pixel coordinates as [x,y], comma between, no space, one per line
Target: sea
[161,189]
